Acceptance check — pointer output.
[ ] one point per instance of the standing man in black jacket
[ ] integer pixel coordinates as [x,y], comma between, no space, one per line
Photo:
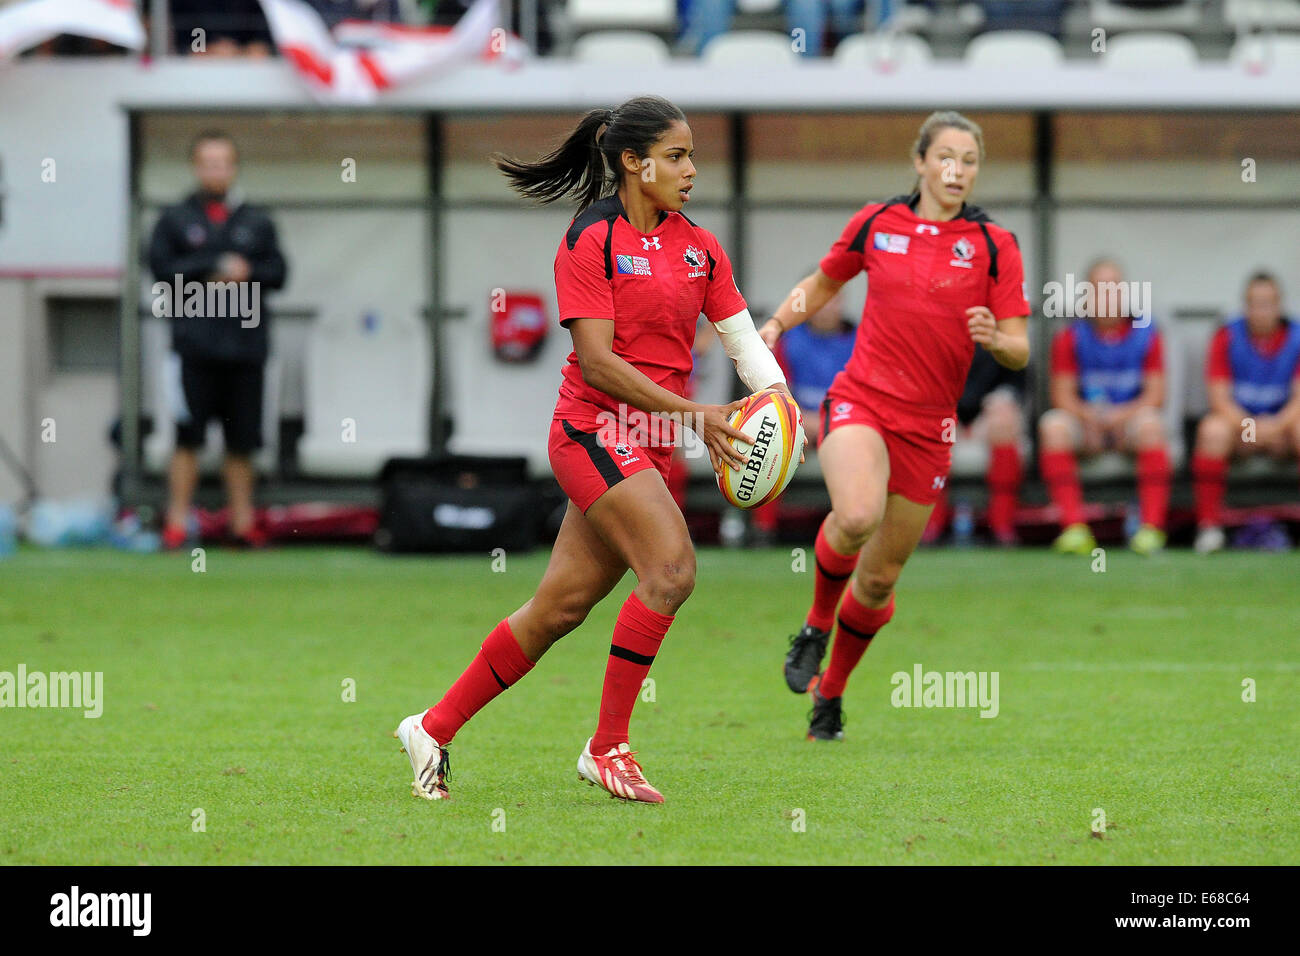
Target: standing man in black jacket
[214,257]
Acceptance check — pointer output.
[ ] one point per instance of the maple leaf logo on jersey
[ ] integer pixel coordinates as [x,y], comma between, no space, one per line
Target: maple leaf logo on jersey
[964,250]
[697,260]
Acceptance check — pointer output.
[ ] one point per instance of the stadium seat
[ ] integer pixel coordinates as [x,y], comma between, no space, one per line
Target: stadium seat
[1262,52]
[1111,15]
[758,6]
[373,370]
[647,14]
[1150,51]
[885,51]
[1014,50]
[750,48]
[623,47]
[1244,15]
[168,401]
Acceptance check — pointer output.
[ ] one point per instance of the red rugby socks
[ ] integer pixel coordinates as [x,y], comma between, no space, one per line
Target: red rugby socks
[1004,477]
[1209,482]
[858,625]
[1061,474]
[638,632]
[1153,477]
[833,571]
[499,664]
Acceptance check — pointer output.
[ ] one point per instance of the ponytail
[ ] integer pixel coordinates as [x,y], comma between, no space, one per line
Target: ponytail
[587,164]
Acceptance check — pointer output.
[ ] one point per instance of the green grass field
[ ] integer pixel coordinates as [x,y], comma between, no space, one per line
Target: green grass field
[223,691]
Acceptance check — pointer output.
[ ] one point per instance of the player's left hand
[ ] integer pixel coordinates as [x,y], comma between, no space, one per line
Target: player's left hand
[981,324]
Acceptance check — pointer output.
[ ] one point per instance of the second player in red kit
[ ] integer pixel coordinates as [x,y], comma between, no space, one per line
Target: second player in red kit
[632,276]
[943,279]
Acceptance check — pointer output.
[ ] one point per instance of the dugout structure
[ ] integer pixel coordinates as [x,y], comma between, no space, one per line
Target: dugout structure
[1188,177]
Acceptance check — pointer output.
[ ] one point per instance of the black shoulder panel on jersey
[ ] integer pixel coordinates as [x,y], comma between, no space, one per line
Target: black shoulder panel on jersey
[993,249]
[977,215]
[602,209]
[609,248]
[859,243]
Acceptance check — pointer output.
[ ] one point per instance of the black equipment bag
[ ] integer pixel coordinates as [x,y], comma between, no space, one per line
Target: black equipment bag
[458,503]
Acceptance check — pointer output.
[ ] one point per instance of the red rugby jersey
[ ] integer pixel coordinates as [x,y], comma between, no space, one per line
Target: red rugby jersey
[913,343]
[653,285]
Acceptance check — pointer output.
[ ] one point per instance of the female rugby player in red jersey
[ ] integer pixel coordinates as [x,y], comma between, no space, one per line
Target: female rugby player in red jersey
[632,275]
[942,279]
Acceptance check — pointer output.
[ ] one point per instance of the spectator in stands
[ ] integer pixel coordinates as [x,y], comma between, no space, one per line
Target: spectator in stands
[702,20]
[220,28]
[811,355]
[214,237]
[1252,373]
[1043,16]
[989,411]
[334,12]
[1107,389]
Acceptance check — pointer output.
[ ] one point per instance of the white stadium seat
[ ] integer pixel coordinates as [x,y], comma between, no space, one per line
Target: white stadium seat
[749,48]
[1150,51]
[1014,50]
[1118,16]
[1243,15]
[647,14]
[169,401]
[884,51]
[1261,53]
[623,47]
[372,369]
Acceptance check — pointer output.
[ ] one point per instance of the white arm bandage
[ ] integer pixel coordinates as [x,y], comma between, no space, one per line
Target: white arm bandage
[755,363]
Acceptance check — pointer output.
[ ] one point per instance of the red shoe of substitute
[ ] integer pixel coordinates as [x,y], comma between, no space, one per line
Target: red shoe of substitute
[173,537]
[619,773]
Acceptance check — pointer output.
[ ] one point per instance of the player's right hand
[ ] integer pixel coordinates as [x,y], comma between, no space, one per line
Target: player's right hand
[711,424]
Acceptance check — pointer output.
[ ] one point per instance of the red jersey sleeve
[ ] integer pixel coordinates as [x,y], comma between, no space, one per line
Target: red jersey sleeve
[722,299]
[1154,363]
[1217,366]
[843,263]
[1064,361]
[581,288]
[1007,297]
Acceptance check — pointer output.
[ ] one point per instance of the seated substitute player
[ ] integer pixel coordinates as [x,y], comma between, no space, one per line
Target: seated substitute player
[989,411]
[632,275]
[1107,388]
[1252,373]
[811,355]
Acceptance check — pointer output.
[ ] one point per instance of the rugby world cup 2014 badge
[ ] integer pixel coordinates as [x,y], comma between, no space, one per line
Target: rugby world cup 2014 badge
[697,261]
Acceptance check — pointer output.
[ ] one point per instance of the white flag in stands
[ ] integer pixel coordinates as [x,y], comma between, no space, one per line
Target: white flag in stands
[31,22]
[359,59]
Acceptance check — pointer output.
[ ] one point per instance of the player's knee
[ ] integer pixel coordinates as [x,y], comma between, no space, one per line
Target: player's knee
[1004,419]
[875,585]
[858,520]
[1213,435]
[672,580]
[1056,429]
[1148,428]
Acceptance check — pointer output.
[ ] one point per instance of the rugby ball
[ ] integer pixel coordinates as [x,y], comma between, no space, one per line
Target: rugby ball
[772,420]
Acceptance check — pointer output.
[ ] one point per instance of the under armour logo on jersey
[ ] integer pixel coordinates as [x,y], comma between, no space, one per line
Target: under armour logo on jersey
[923,227]
[939,482]
[650,242]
